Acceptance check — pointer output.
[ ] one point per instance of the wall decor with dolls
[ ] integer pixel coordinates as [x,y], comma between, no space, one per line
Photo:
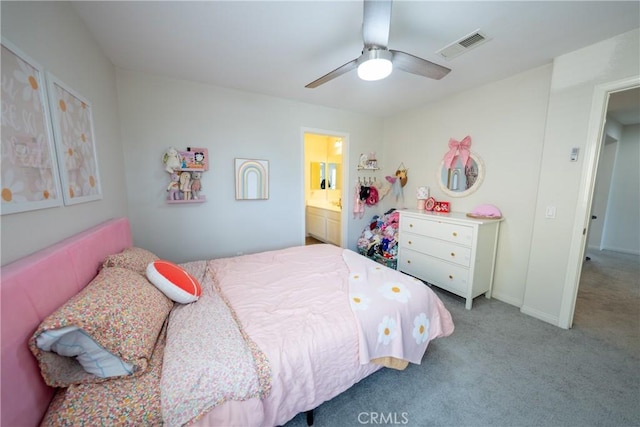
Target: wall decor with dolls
[185,169]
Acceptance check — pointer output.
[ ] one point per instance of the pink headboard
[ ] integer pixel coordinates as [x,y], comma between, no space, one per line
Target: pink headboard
[31,289]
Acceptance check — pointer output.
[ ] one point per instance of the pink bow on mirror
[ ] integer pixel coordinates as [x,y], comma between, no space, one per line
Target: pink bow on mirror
[458,148]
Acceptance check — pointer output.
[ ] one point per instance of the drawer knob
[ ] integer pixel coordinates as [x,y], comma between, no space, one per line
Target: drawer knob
[450,277]
[453,254]
[409,241]
[455,234]
[408,261]
[410,225]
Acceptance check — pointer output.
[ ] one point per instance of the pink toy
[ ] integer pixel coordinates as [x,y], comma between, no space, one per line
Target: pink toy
[174,187]
[196,185]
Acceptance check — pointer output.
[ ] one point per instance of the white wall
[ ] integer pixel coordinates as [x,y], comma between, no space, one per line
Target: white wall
[157,113]
[506,121]
[622,228]
[53,35]
[575,77]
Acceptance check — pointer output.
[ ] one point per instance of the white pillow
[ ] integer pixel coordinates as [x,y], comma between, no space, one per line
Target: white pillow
[72,341]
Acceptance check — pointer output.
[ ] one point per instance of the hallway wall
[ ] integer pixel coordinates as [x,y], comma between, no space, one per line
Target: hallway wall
[622,227]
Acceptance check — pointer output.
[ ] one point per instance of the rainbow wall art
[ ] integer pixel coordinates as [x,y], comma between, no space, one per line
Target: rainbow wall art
[252,179]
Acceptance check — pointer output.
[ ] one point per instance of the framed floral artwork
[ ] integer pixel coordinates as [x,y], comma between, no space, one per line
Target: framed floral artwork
[29,172]
[252,179]
[75,144]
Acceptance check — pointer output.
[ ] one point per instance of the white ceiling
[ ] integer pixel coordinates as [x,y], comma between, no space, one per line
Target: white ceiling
[277,47]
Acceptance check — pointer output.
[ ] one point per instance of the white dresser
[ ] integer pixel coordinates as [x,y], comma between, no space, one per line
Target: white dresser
[451,251]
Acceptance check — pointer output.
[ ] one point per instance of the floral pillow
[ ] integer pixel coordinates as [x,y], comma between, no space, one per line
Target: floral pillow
[128,401]
[114,322]
[133,258]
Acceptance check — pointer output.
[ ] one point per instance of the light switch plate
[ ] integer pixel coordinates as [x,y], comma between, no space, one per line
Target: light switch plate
[574,154]
[550,212]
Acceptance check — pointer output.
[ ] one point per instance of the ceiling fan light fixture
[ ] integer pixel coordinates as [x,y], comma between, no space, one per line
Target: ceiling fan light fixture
[374,64]
[377,61]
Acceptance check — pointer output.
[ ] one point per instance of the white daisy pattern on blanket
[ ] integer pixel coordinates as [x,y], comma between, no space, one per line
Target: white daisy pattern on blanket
[387,330]
[395,291]
[355,277]
[396,315]
[420,328]
[358,301]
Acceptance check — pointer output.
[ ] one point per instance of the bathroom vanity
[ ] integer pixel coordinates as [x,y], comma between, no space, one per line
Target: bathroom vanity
[323,222]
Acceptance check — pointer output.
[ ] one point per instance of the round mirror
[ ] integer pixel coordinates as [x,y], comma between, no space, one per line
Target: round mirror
[460,181]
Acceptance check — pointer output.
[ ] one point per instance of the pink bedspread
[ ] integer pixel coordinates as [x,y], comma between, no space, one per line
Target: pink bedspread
[271,292]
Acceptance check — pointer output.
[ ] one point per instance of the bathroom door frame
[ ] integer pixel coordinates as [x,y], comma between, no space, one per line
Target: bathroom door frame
[344,218]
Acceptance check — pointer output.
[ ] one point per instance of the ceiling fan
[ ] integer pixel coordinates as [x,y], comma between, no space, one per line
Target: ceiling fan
[377,60]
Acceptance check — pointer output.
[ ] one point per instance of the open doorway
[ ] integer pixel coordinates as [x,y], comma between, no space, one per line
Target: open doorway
[612,191]
[602,189]
[324,186]
[608,292]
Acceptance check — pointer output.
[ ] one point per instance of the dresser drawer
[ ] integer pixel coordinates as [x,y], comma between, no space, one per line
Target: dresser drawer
[450,277]
[460,234]
[440,249]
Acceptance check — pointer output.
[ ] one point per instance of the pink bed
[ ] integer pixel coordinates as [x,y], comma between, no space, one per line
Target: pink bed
[299,330]
[32,288]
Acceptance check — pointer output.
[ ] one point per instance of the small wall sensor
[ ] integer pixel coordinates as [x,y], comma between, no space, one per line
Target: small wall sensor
[574,154]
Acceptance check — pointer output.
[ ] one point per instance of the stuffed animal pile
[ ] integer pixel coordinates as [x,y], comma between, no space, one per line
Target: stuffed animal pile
[380,238]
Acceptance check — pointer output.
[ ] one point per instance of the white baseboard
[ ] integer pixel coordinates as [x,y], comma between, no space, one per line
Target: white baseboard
[540,315]
[623,250]
[506,298]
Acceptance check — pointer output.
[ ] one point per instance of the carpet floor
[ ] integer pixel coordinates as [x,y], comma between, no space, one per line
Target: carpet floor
[503,368]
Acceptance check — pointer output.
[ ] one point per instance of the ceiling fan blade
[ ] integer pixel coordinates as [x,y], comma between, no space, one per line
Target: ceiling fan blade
[333,74]
[376,22]
[419,66]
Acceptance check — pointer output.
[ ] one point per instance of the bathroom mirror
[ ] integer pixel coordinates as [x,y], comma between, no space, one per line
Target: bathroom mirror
[325,176]
[460,181]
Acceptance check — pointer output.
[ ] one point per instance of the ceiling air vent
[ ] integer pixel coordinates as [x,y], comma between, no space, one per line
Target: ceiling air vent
[465,44]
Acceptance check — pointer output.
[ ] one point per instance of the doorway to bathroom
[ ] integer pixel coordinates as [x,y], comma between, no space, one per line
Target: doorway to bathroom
[324,186]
